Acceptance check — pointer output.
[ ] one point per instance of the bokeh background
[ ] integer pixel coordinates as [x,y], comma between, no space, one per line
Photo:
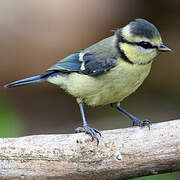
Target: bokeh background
[35,34]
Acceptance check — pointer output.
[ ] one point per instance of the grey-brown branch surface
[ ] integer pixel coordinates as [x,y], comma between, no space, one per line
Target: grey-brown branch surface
[121,154]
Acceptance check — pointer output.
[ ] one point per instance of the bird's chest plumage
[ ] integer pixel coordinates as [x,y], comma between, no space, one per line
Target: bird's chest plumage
[109,87]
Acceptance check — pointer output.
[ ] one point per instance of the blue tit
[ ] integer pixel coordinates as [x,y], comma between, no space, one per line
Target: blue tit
[108,71]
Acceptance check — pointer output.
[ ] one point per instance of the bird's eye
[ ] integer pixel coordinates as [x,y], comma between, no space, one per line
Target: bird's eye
[145,45]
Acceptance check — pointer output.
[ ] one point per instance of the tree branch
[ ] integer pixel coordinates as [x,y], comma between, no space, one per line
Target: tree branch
[121,154]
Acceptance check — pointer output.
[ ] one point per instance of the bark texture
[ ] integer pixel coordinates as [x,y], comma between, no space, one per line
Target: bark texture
[121,154]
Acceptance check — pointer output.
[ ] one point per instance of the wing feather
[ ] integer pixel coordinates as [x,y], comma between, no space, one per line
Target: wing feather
[85,63]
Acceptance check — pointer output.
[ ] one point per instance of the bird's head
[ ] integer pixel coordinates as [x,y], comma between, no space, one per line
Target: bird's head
[139,42]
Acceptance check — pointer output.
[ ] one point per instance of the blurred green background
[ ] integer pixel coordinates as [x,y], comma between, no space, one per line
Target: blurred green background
[35,34]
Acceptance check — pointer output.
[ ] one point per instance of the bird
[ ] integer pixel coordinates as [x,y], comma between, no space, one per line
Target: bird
[107,71]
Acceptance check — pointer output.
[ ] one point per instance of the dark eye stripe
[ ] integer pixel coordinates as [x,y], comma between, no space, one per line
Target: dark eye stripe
[146,45]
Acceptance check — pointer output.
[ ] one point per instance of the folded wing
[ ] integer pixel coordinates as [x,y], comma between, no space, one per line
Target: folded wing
[85,63]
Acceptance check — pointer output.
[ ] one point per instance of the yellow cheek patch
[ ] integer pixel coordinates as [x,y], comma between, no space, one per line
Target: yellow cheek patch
[135,55]
[131,52]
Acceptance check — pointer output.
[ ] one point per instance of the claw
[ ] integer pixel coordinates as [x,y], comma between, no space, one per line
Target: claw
[142,123]
[94,133]
[97,132]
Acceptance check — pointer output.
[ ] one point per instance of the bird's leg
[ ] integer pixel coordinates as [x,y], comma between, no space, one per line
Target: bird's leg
[94,133]
[136,121]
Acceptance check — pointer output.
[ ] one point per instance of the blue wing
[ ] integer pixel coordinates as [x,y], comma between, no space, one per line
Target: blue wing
[70,63]
[88,64]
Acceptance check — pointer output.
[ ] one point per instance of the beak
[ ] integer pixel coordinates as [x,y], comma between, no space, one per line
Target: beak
[163,48]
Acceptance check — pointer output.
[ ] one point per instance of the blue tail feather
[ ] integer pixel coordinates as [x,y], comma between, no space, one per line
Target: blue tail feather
[29,80]
[34,79]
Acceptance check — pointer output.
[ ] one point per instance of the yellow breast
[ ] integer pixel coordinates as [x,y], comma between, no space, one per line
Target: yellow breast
[110,87]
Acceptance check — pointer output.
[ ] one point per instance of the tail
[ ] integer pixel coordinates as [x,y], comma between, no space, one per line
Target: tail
[22,82]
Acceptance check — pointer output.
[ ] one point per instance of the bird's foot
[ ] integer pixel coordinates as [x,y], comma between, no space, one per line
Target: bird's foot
[141,123]
[94,133]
